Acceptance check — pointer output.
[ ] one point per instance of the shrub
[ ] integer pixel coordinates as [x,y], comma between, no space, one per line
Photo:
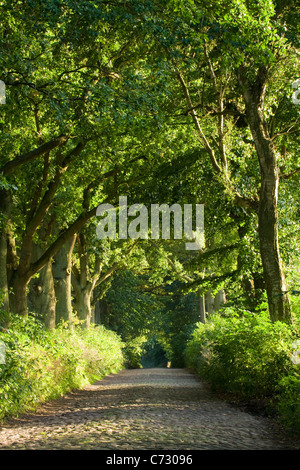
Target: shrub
[133,352]
[242,354]
[41,365]
[288,402]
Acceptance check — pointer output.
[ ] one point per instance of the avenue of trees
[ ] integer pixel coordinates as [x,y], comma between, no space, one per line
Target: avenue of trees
[173,102]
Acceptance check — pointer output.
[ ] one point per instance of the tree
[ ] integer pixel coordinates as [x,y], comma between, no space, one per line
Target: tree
[136,99]
[95,264]
[230,53]
[67,107]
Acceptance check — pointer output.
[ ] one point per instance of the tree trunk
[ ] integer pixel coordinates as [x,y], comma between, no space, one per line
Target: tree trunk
[202,309]
[278,301]
[19,297]
[93,313]
[84,280]
[220,299]
[41,297]
[209,301]
[102,313]
[61,270]
[47,297]
[4,299]
[97,312]
[5,206]
[83,308]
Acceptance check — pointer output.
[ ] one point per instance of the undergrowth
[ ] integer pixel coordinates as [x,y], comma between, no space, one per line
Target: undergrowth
[38,365]
[246,355]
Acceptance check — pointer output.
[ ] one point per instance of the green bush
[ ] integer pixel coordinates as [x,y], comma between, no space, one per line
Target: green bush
[288,402]
[244,354]
[41,365]
[133,351]
[251,357]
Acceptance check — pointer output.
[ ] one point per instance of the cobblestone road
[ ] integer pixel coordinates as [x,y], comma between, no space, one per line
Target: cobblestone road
[143,409]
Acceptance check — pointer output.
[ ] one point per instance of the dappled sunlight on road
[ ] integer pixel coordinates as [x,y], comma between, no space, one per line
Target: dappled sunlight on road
[141,409]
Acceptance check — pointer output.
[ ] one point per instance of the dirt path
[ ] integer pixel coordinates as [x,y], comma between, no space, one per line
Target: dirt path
[144,409]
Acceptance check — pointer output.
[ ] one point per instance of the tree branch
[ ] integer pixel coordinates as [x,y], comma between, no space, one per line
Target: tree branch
[199,129]
[75,227]
[220,93]
[286,176]
[50,193]
[12,165]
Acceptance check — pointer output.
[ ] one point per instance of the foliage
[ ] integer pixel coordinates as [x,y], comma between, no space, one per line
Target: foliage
[133,351]
[288,401]
[246,355]
[132,310]
[41,365]
[113,77]
[154,355]
[105,75]
[178,318]
[242,354]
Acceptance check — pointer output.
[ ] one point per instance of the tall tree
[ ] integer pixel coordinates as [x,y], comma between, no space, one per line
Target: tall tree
[70,98]
[226,58]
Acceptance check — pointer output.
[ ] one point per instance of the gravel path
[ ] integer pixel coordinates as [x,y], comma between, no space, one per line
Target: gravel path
[142,409]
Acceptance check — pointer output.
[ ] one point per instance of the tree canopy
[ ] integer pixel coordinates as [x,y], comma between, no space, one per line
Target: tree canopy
[181,103]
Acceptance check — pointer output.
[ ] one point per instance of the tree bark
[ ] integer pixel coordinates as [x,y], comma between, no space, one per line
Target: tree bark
[209,301]
[83,307]
[5,206]
[84,281]
[61,270]
[47,304]
[220,299]
[202,309]
[3,272]
[41,297]
[14,164]
[19,297]
[26,269]
[278,301]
